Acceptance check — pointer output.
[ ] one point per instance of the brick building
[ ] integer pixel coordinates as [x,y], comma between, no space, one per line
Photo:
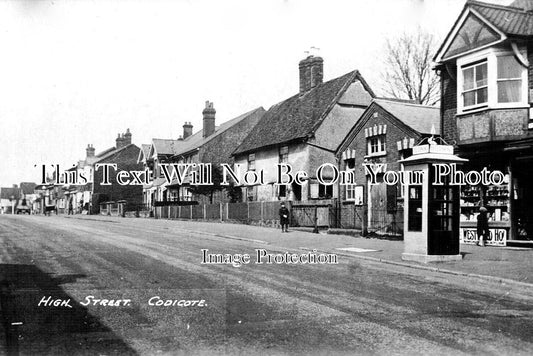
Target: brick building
[303,131]
[486,69]
[214,144]
[385,133]
[124,155]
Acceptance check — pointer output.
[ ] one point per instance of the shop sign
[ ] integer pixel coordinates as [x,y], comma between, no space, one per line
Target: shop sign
[497,237]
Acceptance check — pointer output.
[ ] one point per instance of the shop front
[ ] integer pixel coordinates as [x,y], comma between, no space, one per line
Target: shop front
[508,204]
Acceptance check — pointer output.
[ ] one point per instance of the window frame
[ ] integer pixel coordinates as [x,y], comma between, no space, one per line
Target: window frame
[475,88]
[284,154]
[251,162]
[490,55]
[381,145]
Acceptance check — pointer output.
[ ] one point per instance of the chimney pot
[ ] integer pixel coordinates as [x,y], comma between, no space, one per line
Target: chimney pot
[90,151]
[127,137]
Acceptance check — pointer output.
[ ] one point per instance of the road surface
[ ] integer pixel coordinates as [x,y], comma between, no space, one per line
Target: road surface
[353,307]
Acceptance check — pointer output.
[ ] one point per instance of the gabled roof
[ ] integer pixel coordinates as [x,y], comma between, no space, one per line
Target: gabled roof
[513,21]
[197,140]
[144,153]
[299,116]
[421,118]
[167,147]
[482,24]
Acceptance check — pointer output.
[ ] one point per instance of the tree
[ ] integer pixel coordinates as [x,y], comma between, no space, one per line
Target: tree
[408,73]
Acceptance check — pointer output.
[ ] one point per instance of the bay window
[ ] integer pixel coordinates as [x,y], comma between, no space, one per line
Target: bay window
[509,80]
[475,88]
[493,78]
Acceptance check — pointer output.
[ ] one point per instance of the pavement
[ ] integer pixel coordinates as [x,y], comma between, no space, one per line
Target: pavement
[503,264]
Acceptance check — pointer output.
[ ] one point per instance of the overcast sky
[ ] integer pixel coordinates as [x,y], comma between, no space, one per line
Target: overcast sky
[79,72]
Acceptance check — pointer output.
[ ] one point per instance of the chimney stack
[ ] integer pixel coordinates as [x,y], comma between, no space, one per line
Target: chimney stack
[123,140]
[119,141]
[90,151]
[187,130]
[127,137]
[311,72]
[209,119]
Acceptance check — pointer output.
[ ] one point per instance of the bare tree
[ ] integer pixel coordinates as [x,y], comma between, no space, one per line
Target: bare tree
[408,73]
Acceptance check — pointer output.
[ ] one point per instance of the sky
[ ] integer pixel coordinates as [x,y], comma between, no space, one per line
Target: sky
[74,73]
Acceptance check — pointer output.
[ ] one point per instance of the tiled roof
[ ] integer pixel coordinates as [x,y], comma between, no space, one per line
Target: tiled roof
[7,193]
[166,146]
[300,115]
[421,118]
[514,21]
[28,187]
[197,140]
[112,153]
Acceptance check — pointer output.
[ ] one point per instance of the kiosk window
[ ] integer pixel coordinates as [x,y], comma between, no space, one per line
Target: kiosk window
[415,208]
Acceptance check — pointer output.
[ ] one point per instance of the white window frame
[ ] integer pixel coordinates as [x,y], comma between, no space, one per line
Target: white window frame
[475,88]
[350,192]
[491,56]
[382,145]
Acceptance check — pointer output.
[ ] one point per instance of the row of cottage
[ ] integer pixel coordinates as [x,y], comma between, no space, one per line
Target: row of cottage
[485,64]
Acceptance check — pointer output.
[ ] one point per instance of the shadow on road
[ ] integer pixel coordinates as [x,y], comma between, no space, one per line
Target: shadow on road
[34,325]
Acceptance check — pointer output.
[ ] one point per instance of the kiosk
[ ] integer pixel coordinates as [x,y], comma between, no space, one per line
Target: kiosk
[431,211]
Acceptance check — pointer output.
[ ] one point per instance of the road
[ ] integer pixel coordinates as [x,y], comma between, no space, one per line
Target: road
[353,307]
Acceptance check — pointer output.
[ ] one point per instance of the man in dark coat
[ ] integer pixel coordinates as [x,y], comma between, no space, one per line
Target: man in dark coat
[482,225]
[284,218]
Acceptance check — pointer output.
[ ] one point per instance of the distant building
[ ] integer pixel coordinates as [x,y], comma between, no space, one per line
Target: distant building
[212,144]
[80,195]
[215,145]
[9,198]
[125,156]
[304,131]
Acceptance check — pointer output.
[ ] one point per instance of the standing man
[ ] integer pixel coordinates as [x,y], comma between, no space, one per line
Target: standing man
[482,226]
[284,218]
